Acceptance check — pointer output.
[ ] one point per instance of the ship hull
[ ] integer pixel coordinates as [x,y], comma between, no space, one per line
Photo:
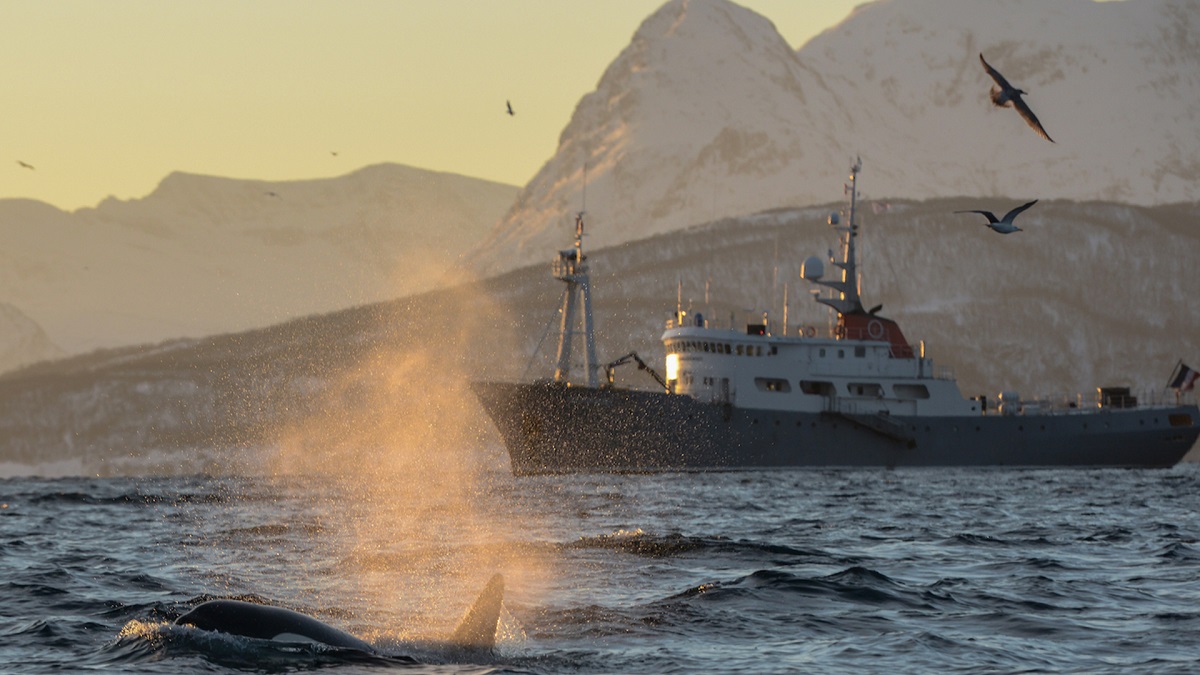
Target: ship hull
[550,428]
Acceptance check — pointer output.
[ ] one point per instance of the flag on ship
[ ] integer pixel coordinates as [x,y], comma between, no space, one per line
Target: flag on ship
[1185,378]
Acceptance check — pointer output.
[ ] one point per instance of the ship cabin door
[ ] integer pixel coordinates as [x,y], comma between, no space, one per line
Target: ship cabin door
[725,392]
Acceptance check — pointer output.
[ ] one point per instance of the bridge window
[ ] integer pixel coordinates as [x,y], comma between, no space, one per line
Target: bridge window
[860,352]
[772,384]
[816,388]
[911,391]
[870,389]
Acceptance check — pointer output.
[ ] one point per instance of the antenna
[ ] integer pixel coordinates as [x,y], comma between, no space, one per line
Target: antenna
[679,301]
[846,290]
[579,216]
[583,207]
[785,308]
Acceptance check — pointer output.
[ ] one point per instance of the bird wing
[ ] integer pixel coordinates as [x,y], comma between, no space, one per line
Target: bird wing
[995,75]
[1008,217]
[1030,118]
[986,214]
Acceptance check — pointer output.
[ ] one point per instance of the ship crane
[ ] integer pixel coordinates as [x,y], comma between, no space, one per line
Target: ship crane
[610,368]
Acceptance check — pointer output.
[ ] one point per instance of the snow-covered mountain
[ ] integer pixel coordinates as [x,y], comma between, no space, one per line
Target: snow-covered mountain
[203,255]
[22,341]
[709,113]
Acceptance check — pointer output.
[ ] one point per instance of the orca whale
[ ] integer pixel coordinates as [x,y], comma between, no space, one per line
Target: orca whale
[266,622]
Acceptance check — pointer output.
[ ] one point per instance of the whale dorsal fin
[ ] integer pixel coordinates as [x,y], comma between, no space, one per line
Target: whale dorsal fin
[478,628]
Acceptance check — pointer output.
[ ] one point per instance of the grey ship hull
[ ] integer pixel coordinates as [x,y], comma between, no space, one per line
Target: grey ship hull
[550,428]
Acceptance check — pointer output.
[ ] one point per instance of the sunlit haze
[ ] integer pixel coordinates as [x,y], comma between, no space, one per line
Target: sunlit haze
[106,99]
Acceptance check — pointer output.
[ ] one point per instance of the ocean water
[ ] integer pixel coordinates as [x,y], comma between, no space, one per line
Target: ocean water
[829,571]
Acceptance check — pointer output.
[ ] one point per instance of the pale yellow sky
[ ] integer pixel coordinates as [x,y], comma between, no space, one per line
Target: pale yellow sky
[107,98]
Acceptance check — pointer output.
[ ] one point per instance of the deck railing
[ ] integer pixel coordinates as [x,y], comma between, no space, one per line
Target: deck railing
[1067,404]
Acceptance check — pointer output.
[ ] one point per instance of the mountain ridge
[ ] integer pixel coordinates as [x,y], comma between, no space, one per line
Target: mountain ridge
[205,254]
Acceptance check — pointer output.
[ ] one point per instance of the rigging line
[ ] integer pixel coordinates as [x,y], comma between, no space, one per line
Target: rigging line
[546,332]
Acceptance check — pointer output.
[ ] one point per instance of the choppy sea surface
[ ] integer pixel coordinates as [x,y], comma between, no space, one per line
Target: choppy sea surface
[850,571]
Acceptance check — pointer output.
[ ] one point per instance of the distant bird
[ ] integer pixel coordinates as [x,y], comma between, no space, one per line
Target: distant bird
[1005,224]
[24,165]
[333,152]
[271,194]
[1009,95]
[508,104]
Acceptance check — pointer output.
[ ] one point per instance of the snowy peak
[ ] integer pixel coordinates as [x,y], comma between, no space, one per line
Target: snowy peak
[1112,83]
[680,129]
[709,113]
[714,41]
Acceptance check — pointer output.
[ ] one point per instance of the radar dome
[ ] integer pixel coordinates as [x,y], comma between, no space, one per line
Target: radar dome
[812,269]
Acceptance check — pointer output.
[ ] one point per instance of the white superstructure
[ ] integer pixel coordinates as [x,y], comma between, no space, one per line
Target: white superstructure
[865,367]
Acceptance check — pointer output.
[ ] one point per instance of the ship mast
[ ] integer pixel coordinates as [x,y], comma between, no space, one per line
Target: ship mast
[847,300]
[571,267]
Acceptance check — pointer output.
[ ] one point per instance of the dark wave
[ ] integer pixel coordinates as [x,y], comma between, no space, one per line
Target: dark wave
[125,499]
[588,621]
[1178,551]
[278,530]
[856,585]
[674,545]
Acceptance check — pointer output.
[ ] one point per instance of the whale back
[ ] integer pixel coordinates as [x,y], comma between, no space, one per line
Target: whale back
[477,631]
[266,622]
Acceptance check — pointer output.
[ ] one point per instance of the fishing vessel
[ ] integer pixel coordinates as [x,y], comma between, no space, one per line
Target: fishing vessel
[858,395]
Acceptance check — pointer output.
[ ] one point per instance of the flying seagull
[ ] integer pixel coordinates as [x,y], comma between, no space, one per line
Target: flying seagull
[1009,95]
[1005,224]
[508,105]
[24,165]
